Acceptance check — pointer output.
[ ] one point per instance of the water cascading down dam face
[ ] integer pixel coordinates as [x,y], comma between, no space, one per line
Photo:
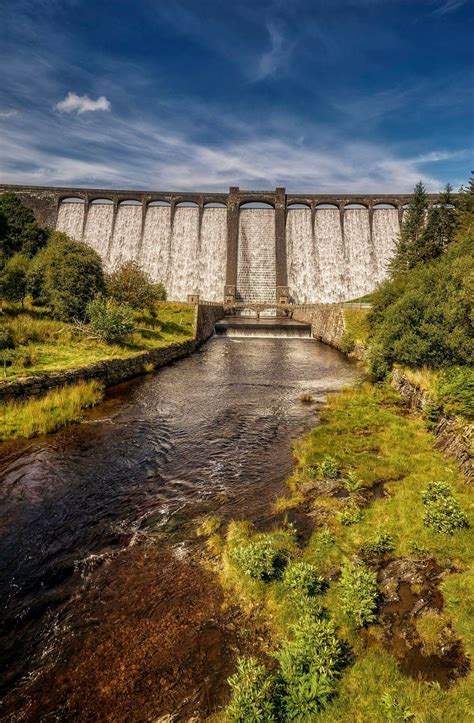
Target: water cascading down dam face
[308,249]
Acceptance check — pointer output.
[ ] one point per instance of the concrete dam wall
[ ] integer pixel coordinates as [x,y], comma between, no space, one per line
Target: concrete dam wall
[308,249]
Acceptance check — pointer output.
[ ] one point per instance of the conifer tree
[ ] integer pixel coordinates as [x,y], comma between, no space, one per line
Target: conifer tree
[411,232]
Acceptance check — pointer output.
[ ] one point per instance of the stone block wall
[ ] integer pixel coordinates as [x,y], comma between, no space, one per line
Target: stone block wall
[327,321]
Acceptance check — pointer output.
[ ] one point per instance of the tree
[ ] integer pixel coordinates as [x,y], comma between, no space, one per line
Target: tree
[130,285]
[68,276]
[13,279]
[110,320]
[405,256]
[19,231]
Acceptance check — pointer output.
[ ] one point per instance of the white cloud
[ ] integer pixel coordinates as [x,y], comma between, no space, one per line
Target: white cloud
[82,104]
[8,113]
[275,57]
[448,6]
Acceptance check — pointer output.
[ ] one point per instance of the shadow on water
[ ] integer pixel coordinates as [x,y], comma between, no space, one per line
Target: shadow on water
[107,613]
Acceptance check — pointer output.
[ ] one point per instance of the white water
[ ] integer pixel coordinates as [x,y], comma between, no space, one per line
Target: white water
[256,273]
[183,261]
[385,231]
[99,228]
[125,244]
[71,219]
[213,254]
[155,251]
[323,266]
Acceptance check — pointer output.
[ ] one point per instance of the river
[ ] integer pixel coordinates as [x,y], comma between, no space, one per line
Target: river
[107,613]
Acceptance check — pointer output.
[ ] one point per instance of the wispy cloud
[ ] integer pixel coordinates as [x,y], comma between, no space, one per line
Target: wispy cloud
[8,113]
[448,6]
[276,56]
[73,103]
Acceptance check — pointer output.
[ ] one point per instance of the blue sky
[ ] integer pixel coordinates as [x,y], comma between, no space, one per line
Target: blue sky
[314,95]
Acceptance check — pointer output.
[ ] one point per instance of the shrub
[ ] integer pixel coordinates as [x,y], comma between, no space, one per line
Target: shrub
[379,545]
[69,277]
[310,665]
[6,338]
[351,515]
[252,693]
[359,594]
[19,232]
[328,468]
[160,291]
[302,578]
[455,391]
[260,559]
[436,491]
[13,279]
[109,319]
[130,285]
[442,510]
[445,515]
[351,482]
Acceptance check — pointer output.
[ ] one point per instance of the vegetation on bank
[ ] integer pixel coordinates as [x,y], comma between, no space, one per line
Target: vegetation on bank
[329,652]
[35,416]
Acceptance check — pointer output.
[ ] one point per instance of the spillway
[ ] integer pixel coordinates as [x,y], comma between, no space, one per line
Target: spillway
[256,273]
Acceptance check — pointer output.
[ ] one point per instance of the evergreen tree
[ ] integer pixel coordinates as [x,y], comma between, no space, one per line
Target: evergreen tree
[440,230]
[413,226]
[19,232]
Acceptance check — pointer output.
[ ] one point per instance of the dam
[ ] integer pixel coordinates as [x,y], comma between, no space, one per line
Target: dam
[238,247]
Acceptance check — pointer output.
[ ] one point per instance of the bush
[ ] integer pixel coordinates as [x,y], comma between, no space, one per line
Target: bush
[260,559]
[351,515]
[436,491]
[19,232]
[67,277]
[160,291]
[252,693]
[359,594]
[328,468]
[455,391]
[6,338]
[445,515]
[310,665]
[351,482]
[379,545]
[302,578]
[110,320]
[130,285]
[13,279]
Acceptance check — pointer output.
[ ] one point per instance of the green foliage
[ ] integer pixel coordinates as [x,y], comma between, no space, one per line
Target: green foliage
[395,712]
[6,338]
[260,559]
[406,252]
[13,278]
[455,391]
[252,689]
[311,661]
[359,594]
[444,514]
[328,468]
[110,320]
[351,482]
[351,515]
[379,545]
[436,491]
[19,232]
[302,578]
[160,291]
[71,276]
[129,284]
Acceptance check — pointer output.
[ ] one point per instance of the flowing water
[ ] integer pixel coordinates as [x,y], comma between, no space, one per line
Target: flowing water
[106,615]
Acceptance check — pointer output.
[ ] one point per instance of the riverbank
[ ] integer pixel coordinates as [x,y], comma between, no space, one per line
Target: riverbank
[56,381]
[390,594]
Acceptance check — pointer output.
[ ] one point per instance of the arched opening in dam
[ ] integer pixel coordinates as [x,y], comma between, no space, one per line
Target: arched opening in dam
[98,549]
[242,246]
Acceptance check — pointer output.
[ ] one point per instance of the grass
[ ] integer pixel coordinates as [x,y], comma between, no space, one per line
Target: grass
[450,390]
[45,345]
[369,436]
[357,329]
[47,414]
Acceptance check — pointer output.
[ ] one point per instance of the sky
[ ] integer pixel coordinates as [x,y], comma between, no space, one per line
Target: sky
[318,96]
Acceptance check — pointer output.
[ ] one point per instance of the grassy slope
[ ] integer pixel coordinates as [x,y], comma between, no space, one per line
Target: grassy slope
[367,430]
[46,345]
[47,414]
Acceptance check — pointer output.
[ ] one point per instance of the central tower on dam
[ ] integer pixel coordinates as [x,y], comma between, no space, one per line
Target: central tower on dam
[244,246]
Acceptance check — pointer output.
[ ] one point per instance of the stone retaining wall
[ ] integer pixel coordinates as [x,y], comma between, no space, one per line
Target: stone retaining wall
[452,437]
[114,371]
[327,321]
